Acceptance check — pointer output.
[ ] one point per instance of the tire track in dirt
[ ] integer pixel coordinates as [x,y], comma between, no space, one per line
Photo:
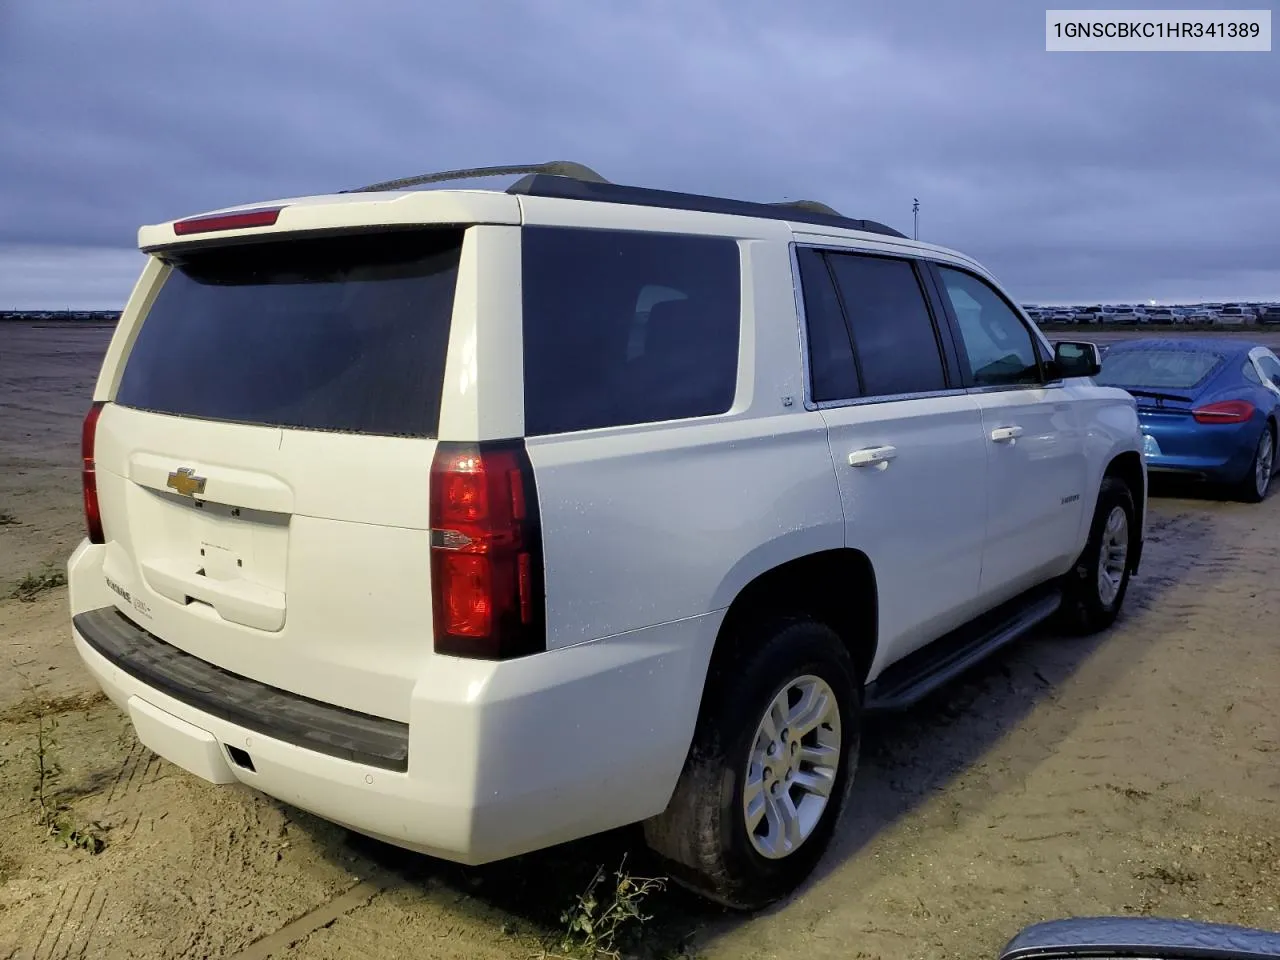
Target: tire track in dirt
[123,805]
[325,914]
[79,946]
[68,932]
[123,774]
[58,910]
[1109,744]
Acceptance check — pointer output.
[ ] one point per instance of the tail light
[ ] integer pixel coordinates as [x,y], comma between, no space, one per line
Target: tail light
[228,221]
[486,552]
[89,476]
[1225,411]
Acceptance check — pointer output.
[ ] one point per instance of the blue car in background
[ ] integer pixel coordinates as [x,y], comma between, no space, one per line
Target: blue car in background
[1209,408]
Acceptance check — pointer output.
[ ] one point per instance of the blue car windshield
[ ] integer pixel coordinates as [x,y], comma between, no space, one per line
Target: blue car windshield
[1171,369]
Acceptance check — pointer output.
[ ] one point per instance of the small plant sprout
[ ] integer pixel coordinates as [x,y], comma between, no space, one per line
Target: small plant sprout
[598,918]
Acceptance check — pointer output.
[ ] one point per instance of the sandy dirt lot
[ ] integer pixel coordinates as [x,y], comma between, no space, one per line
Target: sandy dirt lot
[1136,772]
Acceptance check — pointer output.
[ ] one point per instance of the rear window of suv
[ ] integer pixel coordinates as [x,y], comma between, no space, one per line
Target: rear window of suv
[342,333]
[626,327]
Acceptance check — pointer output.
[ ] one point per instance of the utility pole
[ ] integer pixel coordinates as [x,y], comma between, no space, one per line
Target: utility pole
[915,216]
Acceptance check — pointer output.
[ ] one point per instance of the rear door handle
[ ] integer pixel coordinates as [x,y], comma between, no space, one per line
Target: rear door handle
[1006,434]
[871,456]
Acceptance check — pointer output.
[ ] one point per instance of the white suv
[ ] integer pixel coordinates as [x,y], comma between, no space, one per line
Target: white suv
[479,521]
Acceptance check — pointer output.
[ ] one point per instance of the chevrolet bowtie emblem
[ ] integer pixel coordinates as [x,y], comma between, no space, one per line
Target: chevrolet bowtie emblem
[185,482]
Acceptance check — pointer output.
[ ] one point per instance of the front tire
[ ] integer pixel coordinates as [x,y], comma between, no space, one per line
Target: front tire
[1257,481]
[1095,589]
[769,770]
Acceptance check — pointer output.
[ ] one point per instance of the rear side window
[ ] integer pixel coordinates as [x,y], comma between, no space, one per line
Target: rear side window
[893,333]
[626,328]
[337,333]
[833,375]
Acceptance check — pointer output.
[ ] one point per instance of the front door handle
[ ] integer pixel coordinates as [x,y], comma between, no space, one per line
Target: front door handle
[1006,434]
[872,456]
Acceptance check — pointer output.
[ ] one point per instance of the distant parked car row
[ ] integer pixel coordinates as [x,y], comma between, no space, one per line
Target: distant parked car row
[1218,314]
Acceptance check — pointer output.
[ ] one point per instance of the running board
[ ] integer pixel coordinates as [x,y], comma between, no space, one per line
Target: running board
[922,672]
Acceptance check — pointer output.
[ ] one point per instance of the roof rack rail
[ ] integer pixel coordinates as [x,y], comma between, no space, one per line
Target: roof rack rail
[575,181]
[555,168]
[539,184]
[813,206]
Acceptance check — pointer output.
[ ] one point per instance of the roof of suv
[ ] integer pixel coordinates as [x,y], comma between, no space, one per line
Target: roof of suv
[396,202]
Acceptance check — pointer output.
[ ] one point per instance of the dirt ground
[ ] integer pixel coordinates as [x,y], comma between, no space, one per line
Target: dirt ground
[1136,772]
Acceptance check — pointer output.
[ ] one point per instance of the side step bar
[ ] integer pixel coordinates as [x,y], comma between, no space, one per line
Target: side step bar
[919,674]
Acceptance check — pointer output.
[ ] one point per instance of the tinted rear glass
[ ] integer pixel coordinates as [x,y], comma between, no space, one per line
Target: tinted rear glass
[833,373]
[893,333]
[625,328]
[1177,369]
[337,333]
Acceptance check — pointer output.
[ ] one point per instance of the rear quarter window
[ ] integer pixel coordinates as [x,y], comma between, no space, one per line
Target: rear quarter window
[627,328]
[337,333]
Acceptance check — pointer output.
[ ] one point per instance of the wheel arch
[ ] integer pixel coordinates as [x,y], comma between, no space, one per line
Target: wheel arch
[1128,467]
[834,586]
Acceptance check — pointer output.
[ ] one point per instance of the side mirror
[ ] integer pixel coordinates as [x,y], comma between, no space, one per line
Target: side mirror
[1076,360]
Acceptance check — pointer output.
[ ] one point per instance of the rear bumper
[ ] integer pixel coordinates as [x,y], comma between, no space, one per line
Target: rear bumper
[498,759]
[1217,452]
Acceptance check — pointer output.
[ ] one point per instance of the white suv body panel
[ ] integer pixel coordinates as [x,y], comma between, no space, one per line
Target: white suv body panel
[504,757]
[1034,487]
[649,532]
[886,514]
[649,503]
[483,397]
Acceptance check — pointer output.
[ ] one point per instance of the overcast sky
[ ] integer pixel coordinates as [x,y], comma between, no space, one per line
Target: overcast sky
[1075,177]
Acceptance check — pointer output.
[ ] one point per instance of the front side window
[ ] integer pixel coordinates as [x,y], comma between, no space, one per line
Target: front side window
[894,338]
[995,340]
[627,327]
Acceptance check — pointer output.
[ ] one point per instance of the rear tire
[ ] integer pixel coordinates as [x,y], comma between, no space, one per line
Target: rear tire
[746,761]
[1256,484]
[1094,590]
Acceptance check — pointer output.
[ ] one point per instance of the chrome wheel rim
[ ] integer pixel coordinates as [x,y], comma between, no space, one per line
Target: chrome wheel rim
[1265,463]
[1114,557]
[792,767]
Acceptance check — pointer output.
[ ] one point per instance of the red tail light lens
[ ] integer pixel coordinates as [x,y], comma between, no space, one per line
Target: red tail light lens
[1227,411]
[228,221]
[486,552]
[89,476]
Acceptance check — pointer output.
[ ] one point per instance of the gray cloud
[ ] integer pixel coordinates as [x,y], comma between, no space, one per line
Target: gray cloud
[1072,176]
[53,277]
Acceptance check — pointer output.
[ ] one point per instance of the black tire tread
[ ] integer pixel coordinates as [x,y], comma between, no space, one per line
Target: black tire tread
[1082,611]
[690,835]
[1247,489]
